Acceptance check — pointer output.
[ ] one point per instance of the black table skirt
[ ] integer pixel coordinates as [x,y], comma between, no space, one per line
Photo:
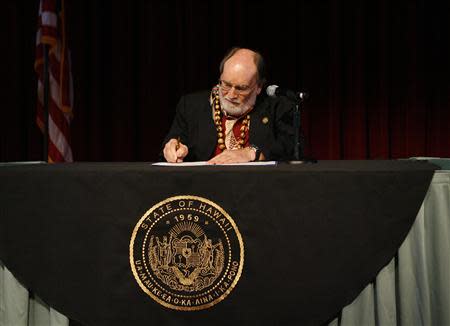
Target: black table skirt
[314,235]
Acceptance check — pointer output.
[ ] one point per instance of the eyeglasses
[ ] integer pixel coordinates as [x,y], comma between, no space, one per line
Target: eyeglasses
[238,89]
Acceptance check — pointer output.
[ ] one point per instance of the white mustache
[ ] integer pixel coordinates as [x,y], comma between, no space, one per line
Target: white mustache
[235,106]
[232,101]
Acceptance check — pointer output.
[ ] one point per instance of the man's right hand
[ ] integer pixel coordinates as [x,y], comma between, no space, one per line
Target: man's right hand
[174,151]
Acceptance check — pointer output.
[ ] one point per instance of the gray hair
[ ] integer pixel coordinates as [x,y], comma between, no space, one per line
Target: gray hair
[258,60]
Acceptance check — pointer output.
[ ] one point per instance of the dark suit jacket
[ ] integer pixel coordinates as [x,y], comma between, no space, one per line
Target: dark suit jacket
[270,127]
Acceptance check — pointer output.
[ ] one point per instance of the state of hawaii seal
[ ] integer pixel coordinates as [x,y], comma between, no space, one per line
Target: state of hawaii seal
[186,253]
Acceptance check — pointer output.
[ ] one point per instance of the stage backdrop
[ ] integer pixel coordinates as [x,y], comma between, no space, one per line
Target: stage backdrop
[377,72]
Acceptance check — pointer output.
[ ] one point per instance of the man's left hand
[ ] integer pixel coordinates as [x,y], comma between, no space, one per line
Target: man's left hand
[234,156]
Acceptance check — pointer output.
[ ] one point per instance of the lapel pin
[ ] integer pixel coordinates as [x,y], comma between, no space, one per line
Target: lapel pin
[265,120]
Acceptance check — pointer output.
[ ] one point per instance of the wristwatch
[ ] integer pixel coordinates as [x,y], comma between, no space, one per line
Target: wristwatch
[257,152]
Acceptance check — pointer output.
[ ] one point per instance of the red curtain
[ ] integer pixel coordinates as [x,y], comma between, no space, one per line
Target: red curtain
[377,72]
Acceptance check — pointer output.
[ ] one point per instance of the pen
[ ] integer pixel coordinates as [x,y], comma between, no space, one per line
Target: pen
[178,143]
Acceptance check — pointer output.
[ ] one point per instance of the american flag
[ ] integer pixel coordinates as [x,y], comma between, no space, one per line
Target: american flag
[51,32]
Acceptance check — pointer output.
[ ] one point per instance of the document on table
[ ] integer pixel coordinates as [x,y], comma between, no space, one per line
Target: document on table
[204,163]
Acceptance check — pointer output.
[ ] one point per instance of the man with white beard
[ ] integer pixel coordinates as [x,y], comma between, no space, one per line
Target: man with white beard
[233,122]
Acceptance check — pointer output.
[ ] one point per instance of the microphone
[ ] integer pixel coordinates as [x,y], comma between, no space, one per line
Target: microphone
[275,91]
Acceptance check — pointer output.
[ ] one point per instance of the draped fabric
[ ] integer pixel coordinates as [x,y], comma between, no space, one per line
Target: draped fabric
[291,214]
[18,307]
[377,72]
[413,289]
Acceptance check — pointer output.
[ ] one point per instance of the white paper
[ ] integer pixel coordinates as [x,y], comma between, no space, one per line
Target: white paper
[204,163]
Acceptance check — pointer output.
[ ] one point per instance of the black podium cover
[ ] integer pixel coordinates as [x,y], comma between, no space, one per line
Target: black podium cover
[314,235]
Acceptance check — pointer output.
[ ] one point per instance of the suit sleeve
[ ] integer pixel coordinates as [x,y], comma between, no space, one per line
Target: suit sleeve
[280,144]
[180,126]
[284,132]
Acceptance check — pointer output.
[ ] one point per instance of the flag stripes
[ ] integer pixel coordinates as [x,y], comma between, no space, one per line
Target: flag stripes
[51,32]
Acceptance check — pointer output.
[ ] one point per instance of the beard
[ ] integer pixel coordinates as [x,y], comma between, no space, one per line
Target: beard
[237,107]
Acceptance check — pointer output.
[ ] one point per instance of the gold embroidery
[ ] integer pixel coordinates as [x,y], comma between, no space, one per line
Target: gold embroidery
[189,255]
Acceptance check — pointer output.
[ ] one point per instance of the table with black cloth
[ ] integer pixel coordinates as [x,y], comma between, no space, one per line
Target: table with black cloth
[314,234]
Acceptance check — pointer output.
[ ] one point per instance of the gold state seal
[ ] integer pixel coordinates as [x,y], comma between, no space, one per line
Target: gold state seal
[186,253]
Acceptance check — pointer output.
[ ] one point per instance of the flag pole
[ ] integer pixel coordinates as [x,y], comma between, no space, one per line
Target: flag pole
[46,101]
